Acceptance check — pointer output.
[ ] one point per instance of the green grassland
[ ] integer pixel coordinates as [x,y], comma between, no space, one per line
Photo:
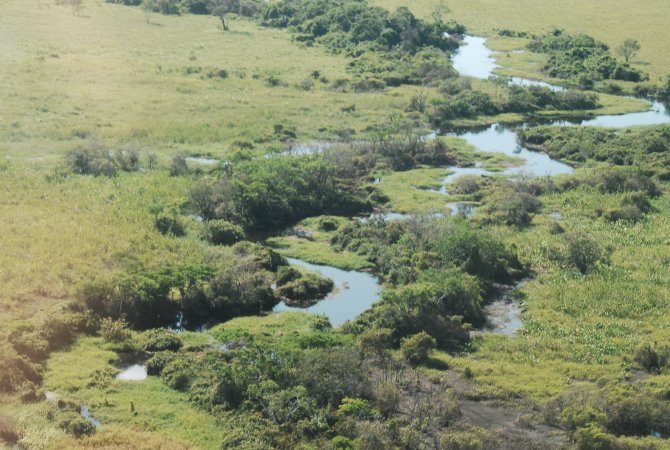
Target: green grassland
[610,21]
[109,75]
[580,328]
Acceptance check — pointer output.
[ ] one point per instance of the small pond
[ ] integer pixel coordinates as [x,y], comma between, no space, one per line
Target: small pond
[136,372]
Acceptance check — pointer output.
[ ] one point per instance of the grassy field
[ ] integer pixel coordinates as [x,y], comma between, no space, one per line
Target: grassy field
[108,74]
[611,21]
[580,328]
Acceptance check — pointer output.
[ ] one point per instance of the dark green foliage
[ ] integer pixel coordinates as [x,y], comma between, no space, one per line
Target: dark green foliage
[574,56]
[461,103]
[652,358]
[160,340]
[269,193]
[647,149]
[158,361]
[222,232]
[305,290]
[169,222]
[239,291]
[333,374]
[416,349]
[145,298]
[387,48]
[75,424]
[113,330]
[16,371]
[512,206]
[664,91]
[584,252]
[266,258]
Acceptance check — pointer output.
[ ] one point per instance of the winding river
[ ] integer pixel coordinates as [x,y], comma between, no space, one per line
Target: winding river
[356,292]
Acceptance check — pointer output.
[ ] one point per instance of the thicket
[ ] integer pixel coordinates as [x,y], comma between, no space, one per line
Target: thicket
[648,149]
[187,295]
[600,417]
[582,58]
[460,101]
[95,158]
[435,269]
[270,193]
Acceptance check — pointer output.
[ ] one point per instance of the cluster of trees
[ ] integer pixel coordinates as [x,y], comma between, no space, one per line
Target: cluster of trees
[436,271]
[386,48]
[317,387]
[270,193]
[191,295]
[648,149]
[583,59]
[460,101]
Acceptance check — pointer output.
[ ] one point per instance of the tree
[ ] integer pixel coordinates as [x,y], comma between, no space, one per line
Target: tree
[628,49]
[584,252]
[416,349]
[220,8]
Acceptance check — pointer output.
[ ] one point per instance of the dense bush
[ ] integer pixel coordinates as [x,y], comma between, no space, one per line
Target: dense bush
[467,103]
[269,193]
[305,290]
[416,349]
[652,358]
[388,48]
[222,232]
[160,340]
[169,222]
[16,371]
[647,149]
[94,158]
[114,330]
[584,252]
[575,56]
[512,207]
[75,424]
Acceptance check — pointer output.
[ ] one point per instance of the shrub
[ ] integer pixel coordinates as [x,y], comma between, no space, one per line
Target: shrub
[417,348]
[357,408]
[512,207]
[159,340]
[158,361]
[465,185]
[652,357]
[169,222]
[8,431]
[306,290]
[222,232]
[178,167]
[584,252]
[114,330]
[76,425]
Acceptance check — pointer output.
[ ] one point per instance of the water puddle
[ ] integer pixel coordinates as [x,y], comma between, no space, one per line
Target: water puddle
[466,209]
[86,414]
[355,292]
[135,372]
[203,161]
[503,314]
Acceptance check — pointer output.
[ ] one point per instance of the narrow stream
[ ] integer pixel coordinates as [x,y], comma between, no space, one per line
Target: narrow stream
[476,60]
[354,293]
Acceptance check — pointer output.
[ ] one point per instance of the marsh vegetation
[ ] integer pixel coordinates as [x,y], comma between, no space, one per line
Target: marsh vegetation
[231,224]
